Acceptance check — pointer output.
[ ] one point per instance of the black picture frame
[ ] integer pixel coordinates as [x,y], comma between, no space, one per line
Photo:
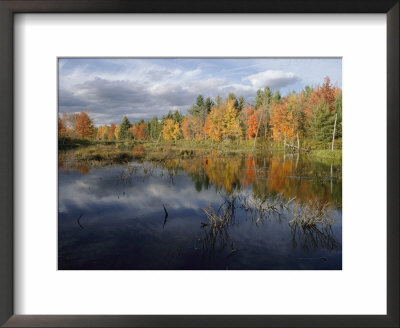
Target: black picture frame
[10,7]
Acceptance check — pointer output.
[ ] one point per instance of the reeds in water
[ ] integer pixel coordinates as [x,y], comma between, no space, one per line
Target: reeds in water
[312,213]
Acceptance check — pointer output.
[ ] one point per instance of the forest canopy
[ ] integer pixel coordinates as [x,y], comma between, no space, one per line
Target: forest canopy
[313,114]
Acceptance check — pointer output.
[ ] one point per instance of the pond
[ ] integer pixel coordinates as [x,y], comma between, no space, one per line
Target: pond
[200,211]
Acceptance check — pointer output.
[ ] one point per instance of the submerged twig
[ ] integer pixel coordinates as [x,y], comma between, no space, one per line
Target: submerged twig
[79,221]
[166,215]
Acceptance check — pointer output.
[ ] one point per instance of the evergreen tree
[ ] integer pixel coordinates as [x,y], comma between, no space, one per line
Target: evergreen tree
[218,100]
[241,103]
[232,97]
[208,104]
[124,129]
[338,110]
[198,107]
[263,98]
[200,101]
[277,97]
[322,123]
[155,128]
[178,117]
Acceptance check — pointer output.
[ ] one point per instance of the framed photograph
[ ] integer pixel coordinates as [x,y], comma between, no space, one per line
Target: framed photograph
[199,165]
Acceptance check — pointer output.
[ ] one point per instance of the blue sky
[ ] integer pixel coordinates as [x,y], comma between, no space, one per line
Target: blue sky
[141,88]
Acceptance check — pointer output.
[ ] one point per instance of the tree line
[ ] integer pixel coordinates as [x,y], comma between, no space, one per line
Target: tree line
[312,114]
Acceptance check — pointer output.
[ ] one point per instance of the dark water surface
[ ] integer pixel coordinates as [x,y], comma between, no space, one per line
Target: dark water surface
[145,215]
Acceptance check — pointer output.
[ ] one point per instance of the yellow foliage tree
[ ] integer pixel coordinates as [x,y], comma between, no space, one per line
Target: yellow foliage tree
[170,130]
[102,132]
[214,125]
[191,128]
[116,131]
[231,124]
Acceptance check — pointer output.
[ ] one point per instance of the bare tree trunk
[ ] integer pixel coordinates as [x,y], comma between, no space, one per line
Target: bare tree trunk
[334,132]
[298,143]
[158,138]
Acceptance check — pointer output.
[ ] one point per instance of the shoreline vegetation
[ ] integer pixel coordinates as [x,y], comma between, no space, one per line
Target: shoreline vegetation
[108,152]
[307,123]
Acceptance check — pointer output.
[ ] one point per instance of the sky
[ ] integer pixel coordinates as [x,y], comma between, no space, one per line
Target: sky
[141,88]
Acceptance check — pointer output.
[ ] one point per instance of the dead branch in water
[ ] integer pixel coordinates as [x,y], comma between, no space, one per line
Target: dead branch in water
[166,215]
[79,221]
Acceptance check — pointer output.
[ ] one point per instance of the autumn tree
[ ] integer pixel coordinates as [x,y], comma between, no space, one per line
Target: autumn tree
[61,128]
[223,122]
[325,94]
[231,125]
[281,121]
[111,134]
[84,125]
[68,121]
[252,124]
[214,125]
[139,130]
[103,132]
[116,131]
[191,128]
[170,130]
[309,114]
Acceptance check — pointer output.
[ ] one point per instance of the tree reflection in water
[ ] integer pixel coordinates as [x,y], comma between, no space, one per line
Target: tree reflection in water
[232,205]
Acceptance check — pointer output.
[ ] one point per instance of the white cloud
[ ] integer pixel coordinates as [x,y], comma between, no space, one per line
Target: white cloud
[271,78]
[142,88]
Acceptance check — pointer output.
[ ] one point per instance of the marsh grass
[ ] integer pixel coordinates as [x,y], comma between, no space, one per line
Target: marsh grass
[216,234]
[327,156]
[259,210]
[312,213]
[104,154]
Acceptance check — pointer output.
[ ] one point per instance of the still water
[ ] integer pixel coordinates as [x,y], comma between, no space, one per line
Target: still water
[200,212]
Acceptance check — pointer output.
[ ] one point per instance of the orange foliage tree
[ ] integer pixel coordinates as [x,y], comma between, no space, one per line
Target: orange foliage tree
[325,93]
[139,131]
[84,125]
[281,120]
[111,132]
[252,123]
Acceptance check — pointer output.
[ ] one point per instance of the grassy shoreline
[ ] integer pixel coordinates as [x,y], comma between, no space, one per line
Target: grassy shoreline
[127,150]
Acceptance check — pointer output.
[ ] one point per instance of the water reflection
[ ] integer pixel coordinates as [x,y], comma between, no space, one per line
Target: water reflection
[199,212]
[289,177]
